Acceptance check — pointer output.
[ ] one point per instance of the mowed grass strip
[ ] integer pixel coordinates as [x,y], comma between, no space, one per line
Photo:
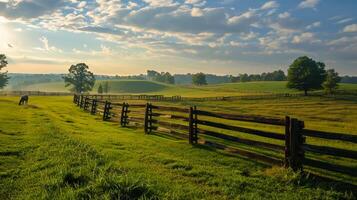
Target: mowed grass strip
[52,150]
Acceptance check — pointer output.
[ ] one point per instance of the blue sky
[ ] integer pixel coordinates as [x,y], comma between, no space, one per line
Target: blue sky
[180,36]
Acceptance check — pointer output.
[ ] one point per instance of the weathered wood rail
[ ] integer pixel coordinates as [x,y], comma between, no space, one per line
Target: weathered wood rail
[231,132]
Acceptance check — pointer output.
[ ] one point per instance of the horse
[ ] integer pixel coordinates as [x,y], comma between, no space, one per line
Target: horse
[24,99]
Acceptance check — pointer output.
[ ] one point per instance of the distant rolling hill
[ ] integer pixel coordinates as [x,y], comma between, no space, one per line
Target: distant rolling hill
[125,86]
[151,87]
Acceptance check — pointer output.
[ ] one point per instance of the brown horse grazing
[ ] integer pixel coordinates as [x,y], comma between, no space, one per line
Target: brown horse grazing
[24,99]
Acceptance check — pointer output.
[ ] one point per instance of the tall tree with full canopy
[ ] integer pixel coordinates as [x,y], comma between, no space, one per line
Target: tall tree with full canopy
[3,76]
[305,74]
[331,81]
[80,78]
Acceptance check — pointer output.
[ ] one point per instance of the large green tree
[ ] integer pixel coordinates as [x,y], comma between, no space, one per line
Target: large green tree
[199,79]
[331,81]
[3,76]
[305,74]
[80,78]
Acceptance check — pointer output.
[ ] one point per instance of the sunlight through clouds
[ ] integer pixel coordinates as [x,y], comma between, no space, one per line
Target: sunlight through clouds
[271,32]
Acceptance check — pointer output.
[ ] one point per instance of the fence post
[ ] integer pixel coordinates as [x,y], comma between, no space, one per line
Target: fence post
[148,119]
[81,102]
[193,130]
[190,126]
[93,111]
[296,154]
[300,149]
[85,107]
[106,113]
[287,142]
[124,115]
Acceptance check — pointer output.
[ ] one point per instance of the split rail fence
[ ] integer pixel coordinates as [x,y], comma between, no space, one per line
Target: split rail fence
[286,146]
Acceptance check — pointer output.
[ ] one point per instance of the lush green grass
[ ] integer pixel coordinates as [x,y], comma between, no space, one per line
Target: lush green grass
[319,113]
[52,150]
[150,87]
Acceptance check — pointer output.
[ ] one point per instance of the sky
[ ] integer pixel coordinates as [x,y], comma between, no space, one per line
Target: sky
[180,36]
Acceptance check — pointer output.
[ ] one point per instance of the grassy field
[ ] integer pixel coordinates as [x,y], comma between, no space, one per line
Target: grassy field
[150,87]
[52,150]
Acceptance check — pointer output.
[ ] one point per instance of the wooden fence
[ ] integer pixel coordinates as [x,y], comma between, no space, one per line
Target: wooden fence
[34,93]
[180,98]
[287,146]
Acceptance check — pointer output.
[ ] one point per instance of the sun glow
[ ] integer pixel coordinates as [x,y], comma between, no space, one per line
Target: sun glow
[4,35]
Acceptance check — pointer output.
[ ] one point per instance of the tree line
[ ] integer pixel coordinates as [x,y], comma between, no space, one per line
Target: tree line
[278,75]
[304,74]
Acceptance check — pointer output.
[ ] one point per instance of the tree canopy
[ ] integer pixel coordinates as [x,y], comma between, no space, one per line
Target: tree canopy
[3,76]
[305,74]
[80,78]
[163,77]
[199,79]
[278,75]
[331,81]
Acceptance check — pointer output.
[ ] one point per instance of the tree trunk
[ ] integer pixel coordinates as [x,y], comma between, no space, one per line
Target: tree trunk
[305,92]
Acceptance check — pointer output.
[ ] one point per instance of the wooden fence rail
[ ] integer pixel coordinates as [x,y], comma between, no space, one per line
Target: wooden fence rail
[206,127]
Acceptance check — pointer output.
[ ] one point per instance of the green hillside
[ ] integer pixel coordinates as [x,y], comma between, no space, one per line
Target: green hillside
[151,87]
[133,86]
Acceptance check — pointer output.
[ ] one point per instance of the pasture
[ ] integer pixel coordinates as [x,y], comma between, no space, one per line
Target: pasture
[156,88]
[51,149]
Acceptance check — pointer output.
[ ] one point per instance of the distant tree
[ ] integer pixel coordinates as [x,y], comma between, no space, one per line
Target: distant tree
[349,79]
[163,77]
[199,79]
[234,79]
[151,74]
[244,77]
[81,79]
[3,76]
[306,74]
[331,81]
[106,87]
[278,75]
[168,78]
[100,89]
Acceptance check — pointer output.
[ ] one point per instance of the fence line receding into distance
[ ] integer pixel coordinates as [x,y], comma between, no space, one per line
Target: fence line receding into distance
[286,146]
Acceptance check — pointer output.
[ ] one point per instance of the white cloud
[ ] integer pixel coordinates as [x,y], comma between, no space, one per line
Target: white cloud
[342,21]
[304,37]
[44,41]
[308,3]
[82,4]
[284,15]
[196,2]
[241,18]
[196,12]
[269,5]
[313,25]
[105,50]
[160,3]
[350,28]
[46,46]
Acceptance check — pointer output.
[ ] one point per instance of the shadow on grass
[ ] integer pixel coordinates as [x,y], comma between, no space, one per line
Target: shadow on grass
[306,179]
[166,135]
